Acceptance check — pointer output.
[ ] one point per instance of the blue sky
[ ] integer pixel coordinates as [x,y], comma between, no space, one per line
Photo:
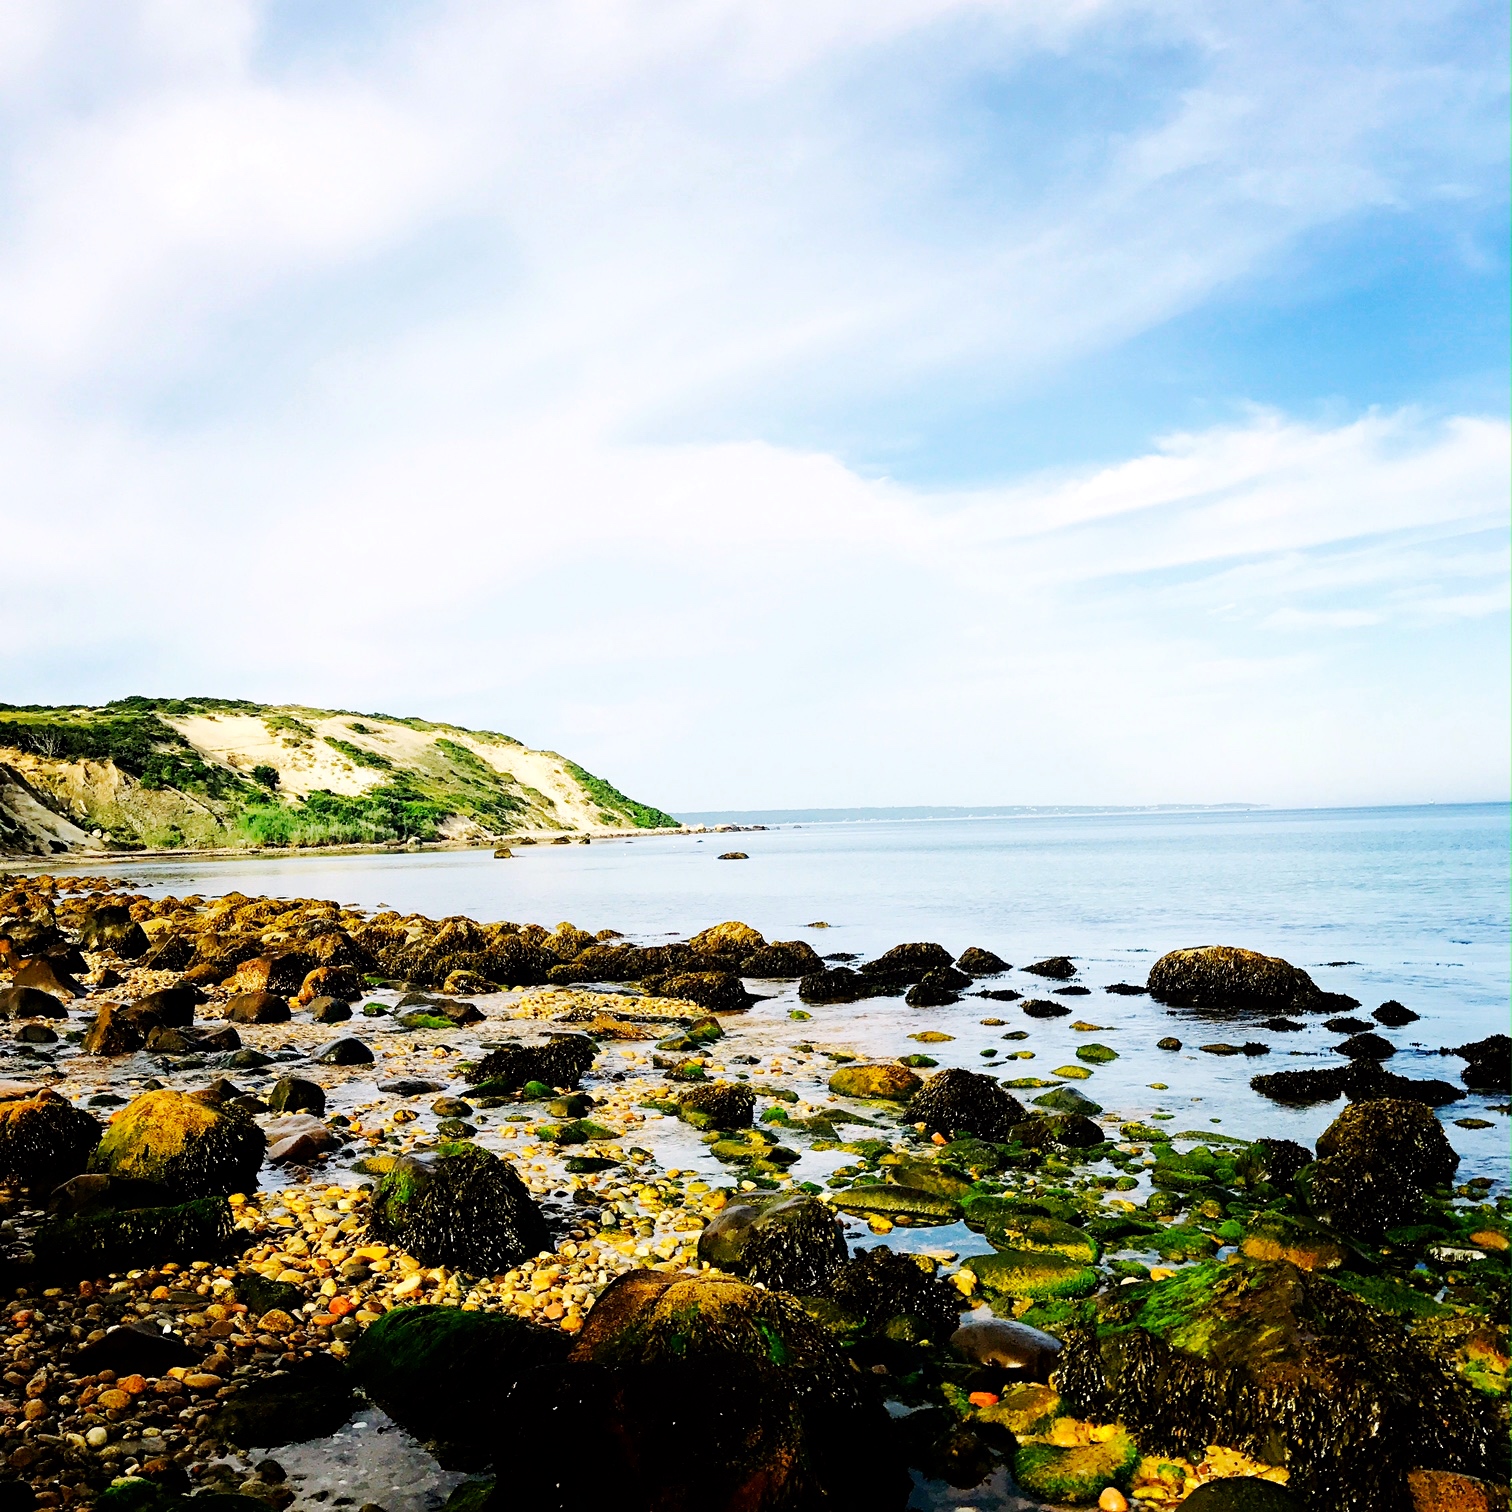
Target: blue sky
[979,401]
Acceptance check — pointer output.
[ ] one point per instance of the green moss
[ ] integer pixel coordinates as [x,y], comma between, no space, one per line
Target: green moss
[1030,1273]
[1391,1296]
[1079,1475]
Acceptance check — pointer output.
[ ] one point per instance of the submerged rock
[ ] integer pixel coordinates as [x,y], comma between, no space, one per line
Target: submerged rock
[1490,1061]
[1358,1081]
[189,1147]
[787,1243]
[976,962]
[1283,1366]
[459,1206]
[1057,968]
[1040,1274]
[1044,1008]
[1366,1047]
[964,1102]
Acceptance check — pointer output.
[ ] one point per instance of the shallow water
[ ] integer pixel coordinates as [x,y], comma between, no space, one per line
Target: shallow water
[1405,903]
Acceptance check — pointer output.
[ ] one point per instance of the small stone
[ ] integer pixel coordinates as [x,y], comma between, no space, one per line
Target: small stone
[1170,1042]
[97,1436]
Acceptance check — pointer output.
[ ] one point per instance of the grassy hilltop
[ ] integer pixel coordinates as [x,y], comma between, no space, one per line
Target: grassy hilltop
[164,773]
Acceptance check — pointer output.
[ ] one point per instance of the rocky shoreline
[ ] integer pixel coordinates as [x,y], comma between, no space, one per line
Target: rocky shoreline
[269,1160]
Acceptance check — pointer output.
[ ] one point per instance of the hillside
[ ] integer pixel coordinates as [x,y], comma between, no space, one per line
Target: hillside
[211,773]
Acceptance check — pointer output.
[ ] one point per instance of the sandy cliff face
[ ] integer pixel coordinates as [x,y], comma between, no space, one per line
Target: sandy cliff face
[204,773]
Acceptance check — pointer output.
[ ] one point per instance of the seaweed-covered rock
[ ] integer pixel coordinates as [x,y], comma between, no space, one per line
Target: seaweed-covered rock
[1360,1080]
[729,938]
[719,1105]
[114,1030]
[1394,1014]
[701,1391]
[965,1102]
[1284,1160]
[1366,1046]
[905,964]
[1057,968]
[561,1062]
[190,1147]
[1226,976]
[1040,1274]
[1377,1161]
[339,982]
[893,1294]
[1043,1008]
[1489,1064]
[444,1374]
[781,960]
[44,1140]
[173,1007]
[938,988]
[1075,1131]
[897,1200]
[459,1206]
[1076,1474]
[1286,1367]
[1012,1225]
[787,1243]
[887,1080]
[713,991]
[125,1237]
[842,985]
[976,962]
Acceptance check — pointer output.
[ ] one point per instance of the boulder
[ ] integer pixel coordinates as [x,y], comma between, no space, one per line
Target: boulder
[561,1062]
[339,982]
[782,960]
[444,1375]
[1286,1367]
[114,1031]
[1440,1491]
[1394,1014]
[1015,1349]
[1377,1162]
[43,973]
[295,1094]
[1043,1008]
[1284,1159]
[1076,1473]
[1057,968]
[787,1243]
[1067,1100]
[130,1236]
[888,1081]
[1242,1493]
[905,964]
[938,988]
[173,1007]
[345,1052]
[459,1206]
[298,1138]
[898,1296]
[713,991]
[954,1102]
[731,938]
[44,1140]
[109,926]
[1366,1047]
[976,962]
[136,1349]
[327,1010]
[1040,1274]
[281,974]
[1359,1081]
[30,1002]
[190,1147]
[842,985]
[718,1105]
[1226,976]
[1013,1225]
[1488,1065]
[258,1007]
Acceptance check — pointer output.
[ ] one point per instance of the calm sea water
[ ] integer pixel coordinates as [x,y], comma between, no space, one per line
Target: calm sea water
[1404,903]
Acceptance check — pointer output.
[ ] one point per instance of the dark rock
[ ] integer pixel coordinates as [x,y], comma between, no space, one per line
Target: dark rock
[461,1207]
[720,1105]
[1072,1130]
[1015,1349]
[30,1002]
[1044,1008]
[424,1366]
[35,1033]
[1284,1159]
[841,985]
[561,1062]
[999,994]
[310,1399]
[293,1094]
[1072,991]
[1057,968]
[1225,976]
[713,991]
[43,973]
[1346,1025]
[410,1086]
[1489,1060]
[114,1031]
[345,1052]
[787,1243]
[891,1294]
[189,1146]
[1366,1047]
[1170,1042]
[170,1006]
[328,1010]
[906,964]
[258,1008]
[136,1349]
[1258,1356]
[44,1140]
[91,1192]
[964,1102]
[339,982]
[131,1237]
[1282,1025]
[1359,1080]
[782,960]
[1126,989]
[1242,1494]
[109,926]
[977,962]
[262,1295]
[1394,1014]
[938,988]
[1377,1163]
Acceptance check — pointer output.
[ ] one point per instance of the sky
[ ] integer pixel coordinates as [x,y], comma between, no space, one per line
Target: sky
[811,403]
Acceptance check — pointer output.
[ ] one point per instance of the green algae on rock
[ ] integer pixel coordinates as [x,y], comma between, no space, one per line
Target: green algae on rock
[1033,1273]
[1076,1474]
[190,1147]
[45,1139]
[890,1082]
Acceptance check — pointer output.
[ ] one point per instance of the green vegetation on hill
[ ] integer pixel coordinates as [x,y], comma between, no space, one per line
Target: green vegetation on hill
[615,804]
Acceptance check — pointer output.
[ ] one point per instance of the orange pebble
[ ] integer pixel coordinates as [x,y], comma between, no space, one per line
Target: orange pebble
[983,1399]
[135,1384]
[341,1306]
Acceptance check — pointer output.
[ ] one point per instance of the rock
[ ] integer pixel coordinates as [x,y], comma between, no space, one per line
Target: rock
[1016,1349]
[264,1296]
[561,1062]
[339,982]
[718,1105]
[109,926]
[888,1081]
[46,975]
[730,938]
[1360,1080]
[294,1094]
[114,1031]
[454,1107]
[1394,1014]
[1444,1491]
[1377,1162]
[1489,1060]
[1076,1473]
[1242,1494]
[905,964]
[1366,1047]
[459,1206]
[1057,968]
[1270,1360]
[30,1002]
[1040,1274]
[888,1294]
[1126,989]
[191,1148]
[1067,1100]
[327,1010]
[938,988]
[90,1192]
[976,962]
[1284,1159]
[44,1140]
[36,1034]
[258,1008]
[713,991]
[1044,1008]
[1226,976]
[1073,1130]
[1274,1236]
[136,1349]
[280,975]
[955,1101]
[786,1243]
[298,1139]
[842,985]
[781,960]
[409,1086]
[895,1200]
[130,1237]
[1095,1054]
[345,1052]
[310,1399]
[1170,1042]
[172,1007]
[1011,1225]
[424,1367]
